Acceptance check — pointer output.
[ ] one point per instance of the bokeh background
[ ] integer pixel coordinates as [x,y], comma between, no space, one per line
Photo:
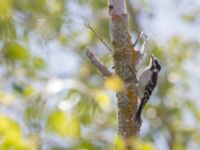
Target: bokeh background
[52,98]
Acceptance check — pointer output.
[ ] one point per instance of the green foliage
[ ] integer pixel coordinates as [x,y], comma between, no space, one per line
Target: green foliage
[63,124]
[11,136]
[38,62]
[15,52]
[80,109]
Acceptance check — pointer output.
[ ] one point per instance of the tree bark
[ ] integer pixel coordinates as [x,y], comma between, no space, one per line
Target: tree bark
[125,57]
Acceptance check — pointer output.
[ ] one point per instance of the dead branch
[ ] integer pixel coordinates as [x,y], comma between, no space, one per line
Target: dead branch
[97,63]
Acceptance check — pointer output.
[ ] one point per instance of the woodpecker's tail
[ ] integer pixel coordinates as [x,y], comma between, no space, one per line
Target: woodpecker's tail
[138,115]
[139,111]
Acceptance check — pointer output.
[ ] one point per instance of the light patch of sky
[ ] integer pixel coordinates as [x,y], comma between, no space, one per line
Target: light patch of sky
[187,115]
[56,90]
[51,139]
[167,22]
[193,145]
[145,127]
[79,12]
[161,144]
[61,61]
[194,78]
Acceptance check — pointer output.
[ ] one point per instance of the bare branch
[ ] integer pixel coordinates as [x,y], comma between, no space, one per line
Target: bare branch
[138,38]
[97,63]
[144,44]
[87,25]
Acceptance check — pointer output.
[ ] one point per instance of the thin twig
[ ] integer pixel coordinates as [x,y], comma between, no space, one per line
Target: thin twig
[144,43]
[87,25]
[97,63]
[138,38]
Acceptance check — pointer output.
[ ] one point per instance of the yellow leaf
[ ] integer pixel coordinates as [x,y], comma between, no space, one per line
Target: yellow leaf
[178,145]
[11,136]
[16,52]
[102,98]
[29,90]
[114,83]
[147,146]
[63,124]
[5,8]
[119,143]
[55,6]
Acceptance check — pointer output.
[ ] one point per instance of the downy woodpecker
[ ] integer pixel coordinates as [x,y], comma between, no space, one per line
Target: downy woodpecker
[147,83]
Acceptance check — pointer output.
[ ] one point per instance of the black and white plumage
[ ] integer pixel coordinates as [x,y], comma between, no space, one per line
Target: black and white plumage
[147,83]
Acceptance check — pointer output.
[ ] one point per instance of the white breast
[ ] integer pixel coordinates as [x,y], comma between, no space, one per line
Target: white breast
[143,80]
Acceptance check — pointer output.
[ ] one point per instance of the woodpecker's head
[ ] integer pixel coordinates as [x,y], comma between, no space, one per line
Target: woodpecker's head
[155,64]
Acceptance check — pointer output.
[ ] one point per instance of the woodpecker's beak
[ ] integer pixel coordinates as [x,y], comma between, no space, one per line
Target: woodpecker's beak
[153,60]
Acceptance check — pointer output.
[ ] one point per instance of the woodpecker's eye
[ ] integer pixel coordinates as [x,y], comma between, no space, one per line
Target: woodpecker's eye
[157,65]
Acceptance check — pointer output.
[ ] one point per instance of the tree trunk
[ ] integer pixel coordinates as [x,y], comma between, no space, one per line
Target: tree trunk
[125,57]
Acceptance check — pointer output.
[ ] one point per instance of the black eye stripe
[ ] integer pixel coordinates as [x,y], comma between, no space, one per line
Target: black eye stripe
[157,63]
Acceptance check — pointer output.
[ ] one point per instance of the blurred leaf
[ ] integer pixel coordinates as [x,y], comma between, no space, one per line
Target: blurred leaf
[6,98]
[32,118]
[63,39]
[86,109]
[29,90]
[178,145]
[190,17]
[18,87]
[98,4]
[5,8]
[114,83]
[102,98]
[38,62]
[24,90]
[141,145]
[36,6]
[10,135]
[119,143]
[63,124]
[157,51]
[7,29]
[16,52]
[84,144]
[147,147]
